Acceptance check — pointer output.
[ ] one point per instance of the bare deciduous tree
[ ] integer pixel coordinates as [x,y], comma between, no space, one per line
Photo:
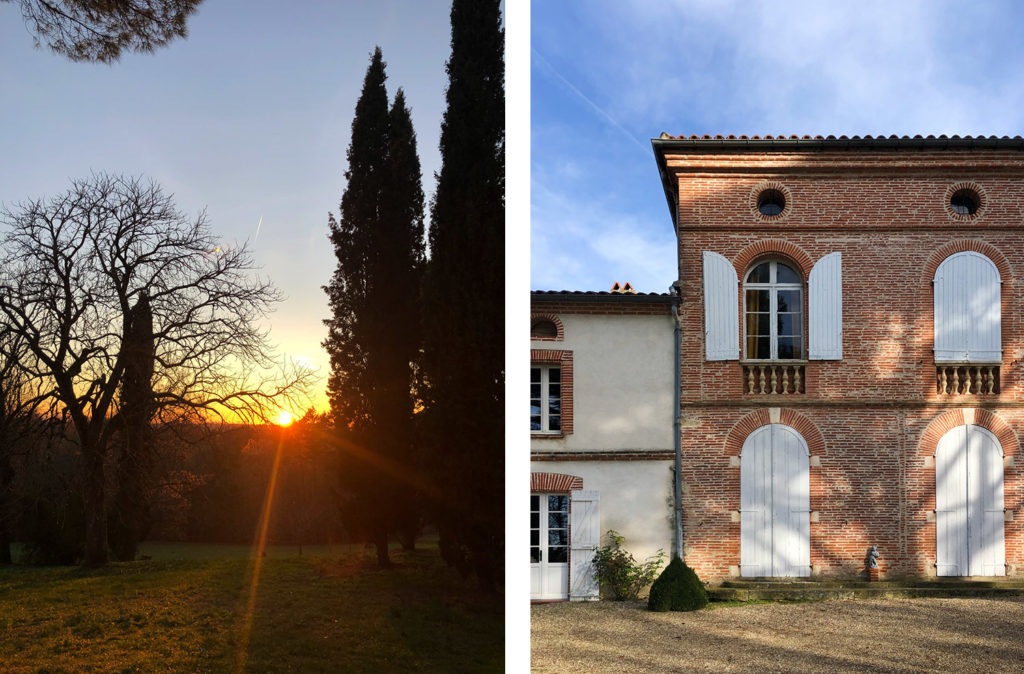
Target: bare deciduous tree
[73,270]
[99,30]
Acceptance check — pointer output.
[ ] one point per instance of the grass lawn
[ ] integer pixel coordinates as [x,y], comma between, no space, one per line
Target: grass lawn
[187,609]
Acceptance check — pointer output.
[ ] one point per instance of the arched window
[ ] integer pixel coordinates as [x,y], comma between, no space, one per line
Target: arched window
[773,301]
[968,315]
[543,328]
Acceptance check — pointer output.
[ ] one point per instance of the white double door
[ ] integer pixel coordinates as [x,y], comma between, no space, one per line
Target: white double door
[969,504]
[775,529]
[549,546]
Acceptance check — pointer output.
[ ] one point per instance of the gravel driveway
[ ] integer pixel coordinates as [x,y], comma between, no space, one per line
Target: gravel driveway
[896,635]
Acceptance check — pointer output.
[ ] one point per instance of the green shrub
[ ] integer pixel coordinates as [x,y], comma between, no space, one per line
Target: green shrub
[619,574]
[677,589]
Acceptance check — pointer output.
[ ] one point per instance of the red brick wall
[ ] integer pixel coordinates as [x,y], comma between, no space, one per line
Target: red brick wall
[873,418]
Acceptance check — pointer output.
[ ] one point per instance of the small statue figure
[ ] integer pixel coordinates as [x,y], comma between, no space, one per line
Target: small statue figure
[873,557]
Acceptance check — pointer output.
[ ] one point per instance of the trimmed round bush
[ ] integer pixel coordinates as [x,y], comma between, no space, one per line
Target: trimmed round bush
[677,589]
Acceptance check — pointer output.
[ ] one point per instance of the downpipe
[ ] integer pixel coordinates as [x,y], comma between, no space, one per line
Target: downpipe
[677,485]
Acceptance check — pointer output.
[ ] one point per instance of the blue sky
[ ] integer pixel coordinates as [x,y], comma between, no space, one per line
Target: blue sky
[249,117]
[609,75]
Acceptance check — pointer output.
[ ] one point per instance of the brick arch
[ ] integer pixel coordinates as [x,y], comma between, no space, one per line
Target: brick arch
[555,482]
[963,245]
[769,248]
[987,419]
[751,422]
[558,328]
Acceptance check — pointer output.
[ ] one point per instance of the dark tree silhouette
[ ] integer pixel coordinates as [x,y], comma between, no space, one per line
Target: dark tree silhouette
[464,298]
[73,269]
[130,516]
[372,333]
[100,30]
[20,428]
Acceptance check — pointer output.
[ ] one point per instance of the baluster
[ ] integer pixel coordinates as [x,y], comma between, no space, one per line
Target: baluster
[993,372]
[750,379]
[760,369]
[796,379]
[785,379]
[774,379]
[943,384]
[955,389]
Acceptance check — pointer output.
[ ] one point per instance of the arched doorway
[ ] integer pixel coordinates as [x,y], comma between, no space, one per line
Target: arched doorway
[969,503]
[775,501]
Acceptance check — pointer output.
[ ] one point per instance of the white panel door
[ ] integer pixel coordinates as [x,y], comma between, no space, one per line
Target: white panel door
[775,503]
[549,546]
[969,504]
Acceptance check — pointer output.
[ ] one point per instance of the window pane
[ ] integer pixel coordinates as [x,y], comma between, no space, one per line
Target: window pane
[554,407]
[757,325]
[554,375]
[534,502]
[785,274]
[789,325]
[534,537]
[558,537]
[558,520]
[535,391]
[534,520]
[790,347]
[789,300]
[534,555]
[760,273]
[554,391]
[554,423]
[558,502]
[535,374]
[757,300]
[759,347]
[558,555]
[534,407]
[534,423]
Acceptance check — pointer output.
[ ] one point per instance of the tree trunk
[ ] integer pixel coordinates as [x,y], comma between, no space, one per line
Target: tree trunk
[380,541]
[6,508]
[95,508]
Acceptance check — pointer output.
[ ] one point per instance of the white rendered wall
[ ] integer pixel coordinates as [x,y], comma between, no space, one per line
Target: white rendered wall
[635,500]
[622,394]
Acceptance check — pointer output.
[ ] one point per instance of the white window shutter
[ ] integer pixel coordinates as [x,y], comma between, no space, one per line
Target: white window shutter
[825,308]
[967,310]
[586,537]
[721,314]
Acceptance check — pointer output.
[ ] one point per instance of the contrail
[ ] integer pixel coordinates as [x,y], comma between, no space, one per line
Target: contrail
[258,225]
[547,66]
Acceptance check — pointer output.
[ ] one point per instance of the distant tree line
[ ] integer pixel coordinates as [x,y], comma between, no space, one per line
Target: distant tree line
[204,487]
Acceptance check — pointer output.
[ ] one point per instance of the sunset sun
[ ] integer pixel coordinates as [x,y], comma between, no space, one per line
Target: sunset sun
[285,418]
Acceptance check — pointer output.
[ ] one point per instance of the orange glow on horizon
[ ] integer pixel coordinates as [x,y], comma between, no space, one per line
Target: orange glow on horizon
[285,418]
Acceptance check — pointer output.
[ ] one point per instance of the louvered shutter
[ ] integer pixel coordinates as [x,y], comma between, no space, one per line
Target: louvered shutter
[825,308]
[586,537]
[721,314]
[968,314]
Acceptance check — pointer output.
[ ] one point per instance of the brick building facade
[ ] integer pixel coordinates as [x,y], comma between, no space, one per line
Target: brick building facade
[851,348]
[873,412]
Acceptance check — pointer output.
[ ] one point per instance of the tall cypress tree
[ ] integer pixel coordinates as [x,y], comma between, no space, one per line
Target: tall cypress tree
[372,339]
[464,293]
